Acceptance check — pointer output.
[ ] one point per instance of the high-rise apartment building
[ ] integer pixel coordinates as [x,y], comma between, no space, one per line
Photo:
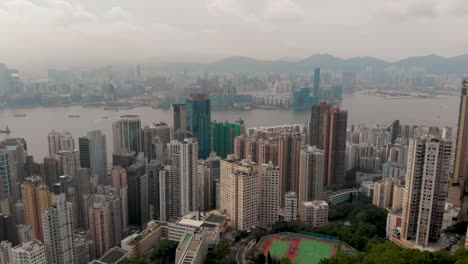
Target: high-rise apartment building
[289,152]
[327,131]
[31,252]
[239,192]
[5,252]
[184,157]
[126,134]
[70,161]
[99,228]
[199,122]
[179,122]
[36,198]
[383,192]
[314,213]
[208,172]
[138,204]
[93,154]
[311,170]
[50,171]
[57,225]
[267,152]
[59,141]
[169,195]
[290,206]
[152,170]
[425,192]
[223,136]
[269,194]
[151,136]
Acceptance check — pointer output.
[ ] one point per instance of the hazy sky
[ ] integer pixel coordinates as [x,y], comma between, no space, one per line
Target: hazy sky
[96,31]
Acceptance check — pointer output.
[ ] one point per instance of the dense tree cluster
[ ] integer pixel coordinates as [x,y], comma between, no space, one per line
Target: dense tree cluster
[390,253]
[366,224]
[219,254]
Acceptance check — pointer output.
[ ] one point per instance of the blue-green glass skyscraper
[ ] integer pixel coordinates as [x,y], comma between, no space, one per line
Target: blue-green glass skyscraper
[199,122]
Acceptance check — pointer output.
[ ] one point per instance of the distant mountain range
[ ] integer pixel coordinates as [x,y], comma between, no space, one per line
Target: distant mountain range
[431,64]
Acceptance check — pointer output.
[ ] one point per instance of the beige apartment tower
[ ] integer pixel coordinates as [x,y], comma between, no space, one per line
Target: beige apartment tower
[239,192]
[426,187]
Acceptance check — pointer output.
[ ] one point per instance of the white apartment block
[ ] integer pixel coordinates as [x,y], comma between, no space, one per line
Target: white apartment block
[314,213]
[31,252]
[290,206]
[269,194]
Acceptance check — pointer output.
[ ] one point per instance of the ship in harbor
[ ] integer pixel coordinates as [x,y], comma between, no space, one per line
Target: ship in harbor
[5,131]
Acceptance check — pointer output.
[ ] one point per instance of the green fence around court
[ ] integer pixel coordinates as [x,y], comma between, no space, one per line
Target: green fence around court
[321,236]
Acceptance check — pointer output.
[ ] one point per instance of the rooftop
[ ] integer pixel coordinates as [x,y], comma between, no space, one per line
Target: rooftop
[190,222]
[216,219]
[114,256]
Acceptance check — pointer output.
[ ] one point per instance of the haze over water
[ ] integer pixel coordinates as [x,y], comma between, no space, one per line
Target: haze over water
[361,108]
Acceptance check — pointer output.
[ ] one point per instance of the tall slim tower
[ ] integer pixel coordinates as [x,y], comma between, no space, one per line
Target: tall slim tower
[179,122]
[70,161]
[138,204]
[311,174]
[269,194]
[460,167]
[58,232]
[289,149]
[99,228]
[199,122]
[184,156]
[36,198]
[6,184]
[126,134]
[327,131]
[426,187]
[317,83]
[93,154]
[223,137]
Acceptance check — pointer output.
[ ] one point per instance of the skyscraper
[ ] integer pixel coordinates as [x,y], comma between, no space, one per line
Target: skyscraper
[269,194]
[460,167]
[58,232]
[395,130]
[93,154]
[70,161]
[5,176]
[151,135]
[60,141]
[317,83]
[223,136]
[348,81]
[289,150]
[126,134]
[311,174]
[179,122]
[50,171]
[152,170]
[184,157]
[138,205]
[199,122]
[99,228]
[208,173]
[425,189]
[36,198]
[239,192]
[327,131]
[16,150]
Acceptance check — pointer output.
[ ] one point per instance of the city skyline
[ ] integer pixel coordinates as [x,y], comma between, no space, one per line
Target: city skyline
[276,28]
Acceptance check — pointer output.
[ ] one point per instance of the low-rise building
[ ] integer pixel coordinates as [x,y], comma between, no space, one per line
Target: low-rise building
[192,249]
[341,196]
[141,244]
[314,213]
